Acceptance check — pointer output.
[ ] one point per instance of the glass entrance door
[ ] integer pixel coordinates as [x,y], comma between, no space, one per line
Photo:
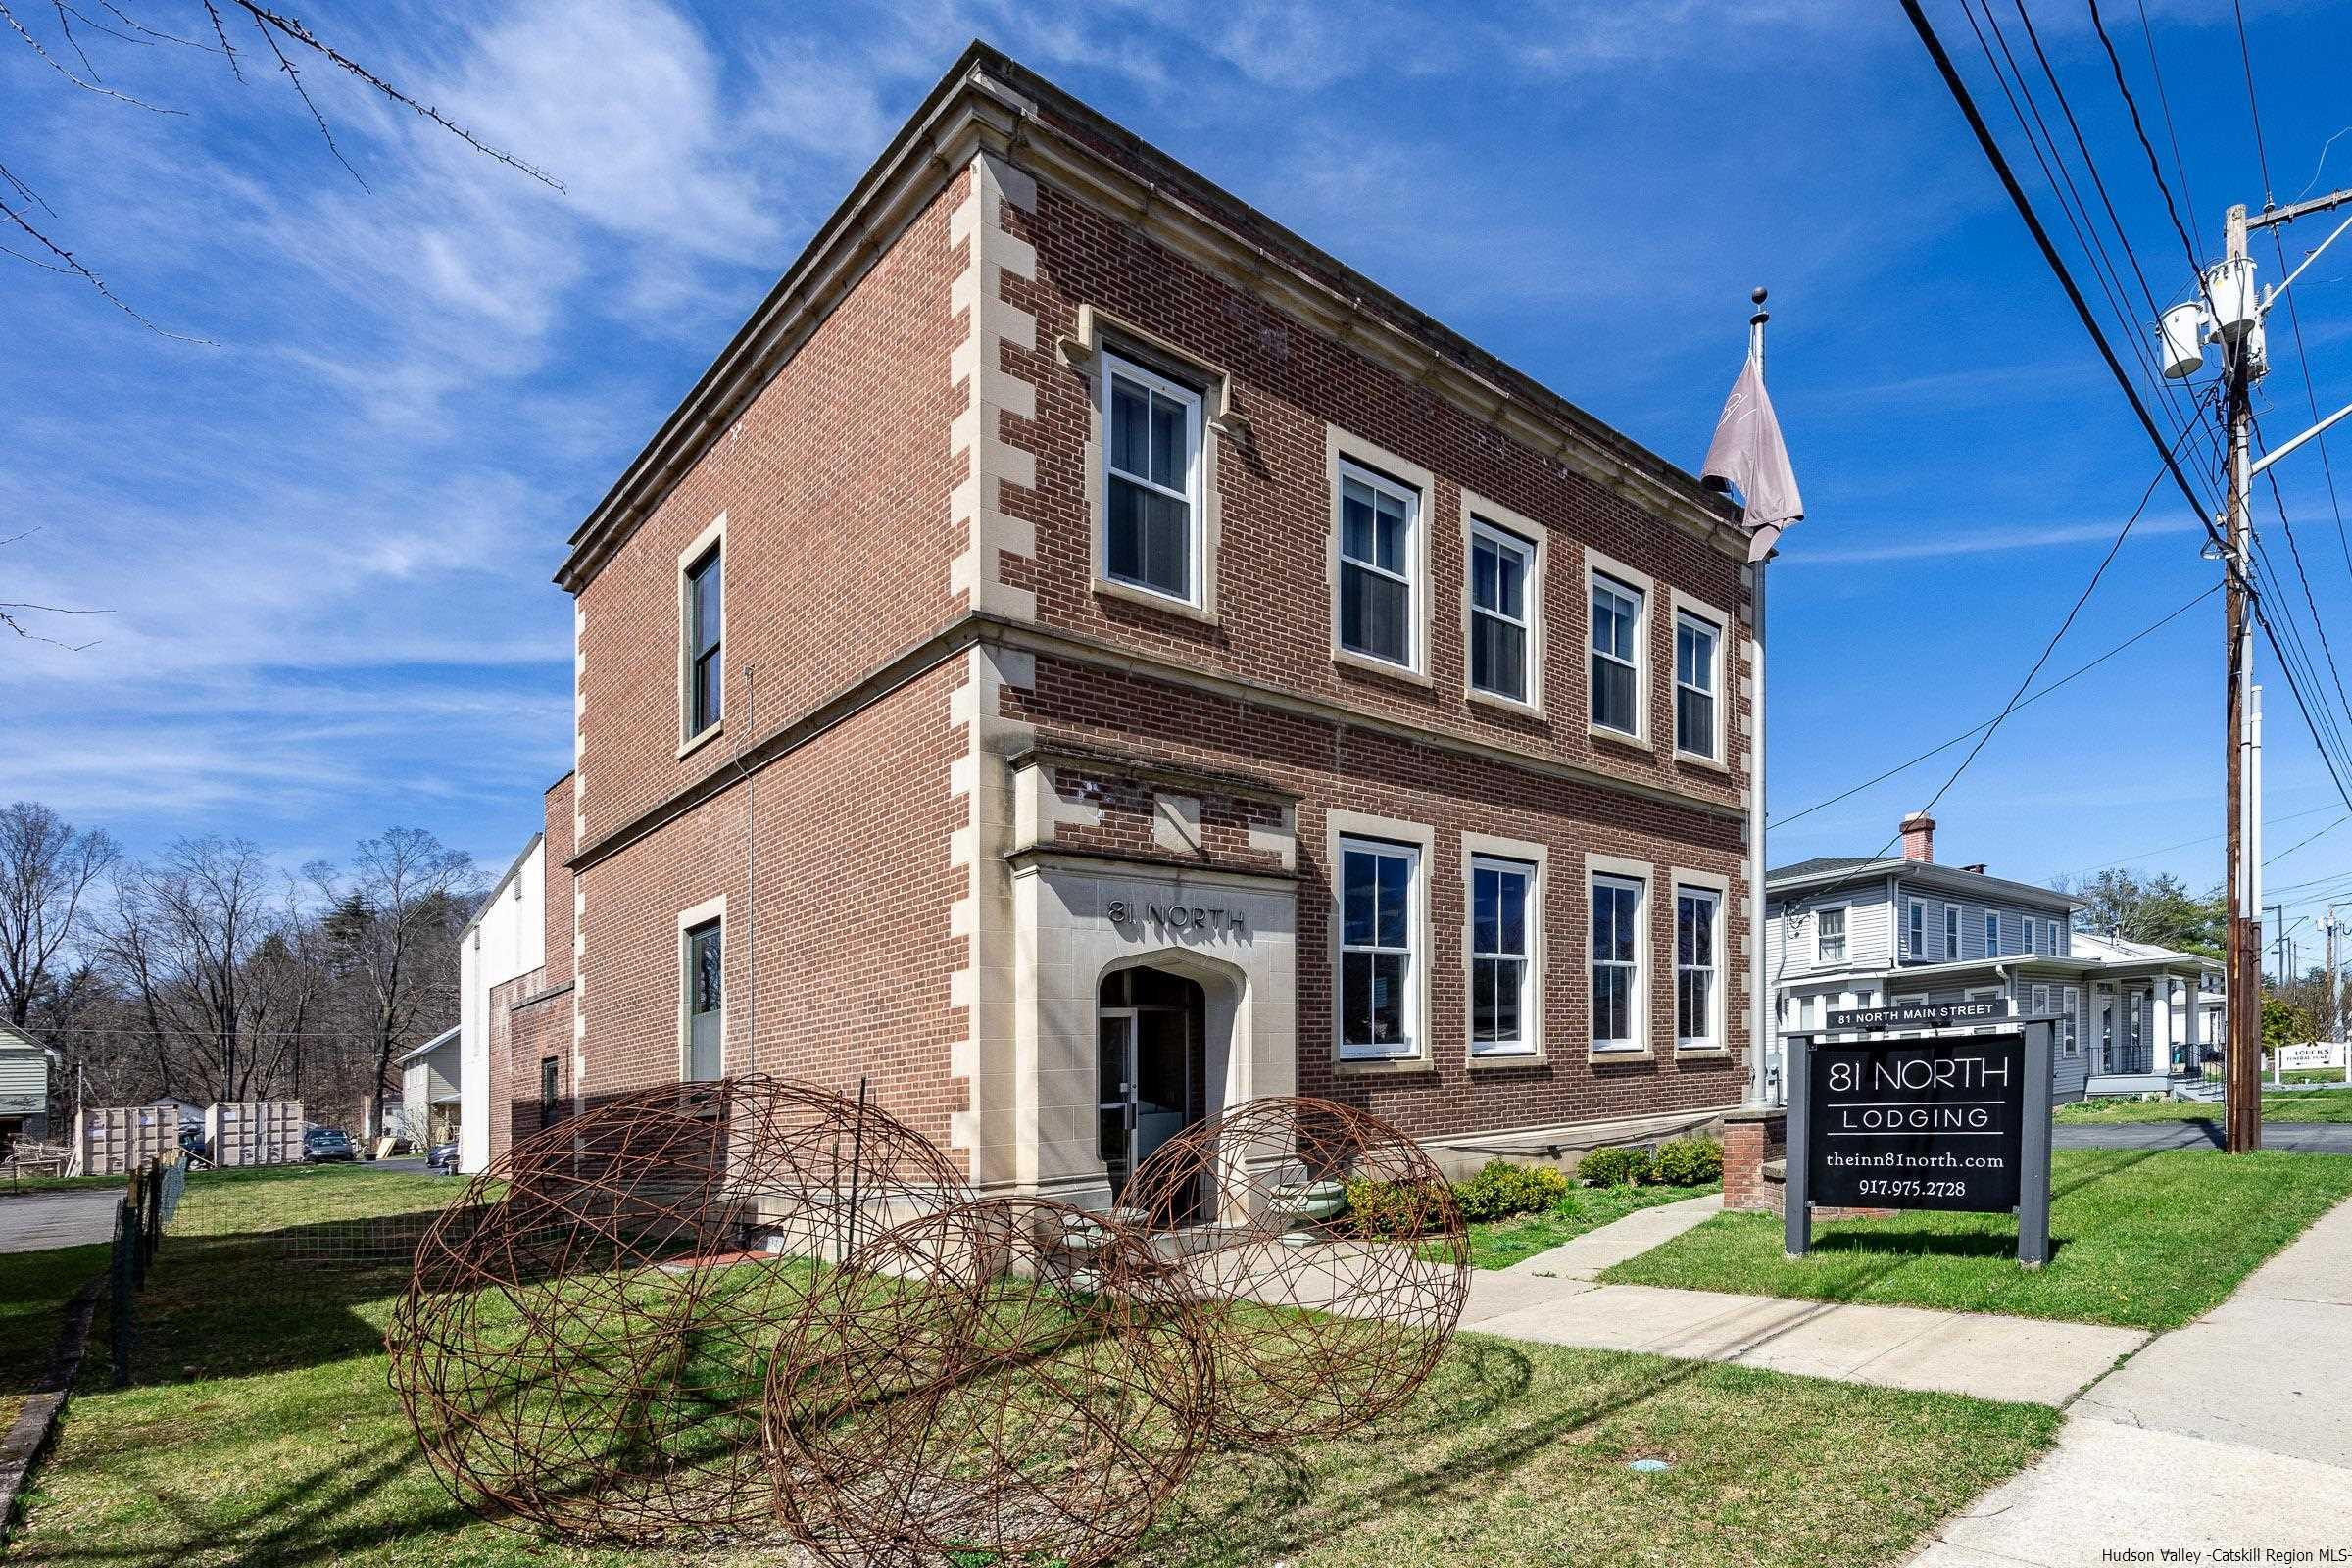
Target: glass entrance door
[1147,1051]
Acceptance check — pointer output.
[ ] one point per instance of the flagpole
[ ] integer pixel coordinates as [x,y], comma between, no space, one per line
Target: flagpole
[1762,1090]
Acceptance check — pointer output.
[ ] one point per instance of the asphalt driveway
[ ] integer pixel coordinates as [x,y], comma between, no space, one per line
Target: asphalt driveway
[2299,1138]
[35,1222]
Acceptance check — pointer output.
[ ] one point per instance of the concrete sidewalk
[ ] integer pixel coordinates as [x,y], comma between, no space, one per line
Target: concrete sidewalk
[1612,1243]
[2207,1440]
[1892,1346]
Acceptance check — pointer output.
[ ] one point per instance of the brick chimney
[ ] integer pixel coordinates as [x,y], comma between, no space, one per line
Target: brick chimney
[1919,838]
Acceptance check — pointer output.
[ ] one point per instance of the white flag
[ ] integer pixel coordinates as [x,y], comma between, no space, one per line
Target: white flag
[1748,455]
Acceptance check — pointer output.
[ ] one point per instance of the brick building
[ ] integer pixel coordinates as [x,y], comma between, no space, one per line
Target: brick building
[1081,656]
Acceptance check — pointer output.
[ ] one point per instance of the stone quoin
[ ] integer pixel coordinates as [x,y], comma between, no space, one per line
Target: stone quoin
[1081,658]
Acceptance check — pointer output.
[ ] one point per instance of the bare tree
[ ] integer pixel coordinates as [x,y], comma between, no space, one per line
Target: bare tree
[184,937]
[64,51]
[393,925]
[47,871]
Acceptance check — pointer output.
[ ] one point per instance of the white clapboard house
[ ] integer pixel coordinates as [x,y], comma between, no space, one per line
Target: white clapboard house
[1880,931]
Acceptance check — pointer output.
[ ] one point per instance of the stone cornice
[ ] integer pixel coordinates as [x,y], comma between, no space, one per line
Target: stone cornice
[987,102]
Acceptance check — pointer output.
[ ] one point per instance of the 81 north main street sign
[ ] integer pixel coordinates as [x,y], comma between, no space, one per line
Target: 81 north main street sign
[1957,1121]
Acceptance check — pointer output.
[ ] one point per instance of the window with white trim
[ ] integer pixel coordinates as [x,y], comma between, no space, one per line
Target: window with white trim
[1377,518]
[1829,936]
[1951,932]
[1697,667]
[1501,1021]
[705,670]
[1502,569]
[1616,963]
[2041,1002]
[1915,928]
[1150,481]
[1616,655]
[1697,970]
[1378,986]
[2069,1040]
[1993,933]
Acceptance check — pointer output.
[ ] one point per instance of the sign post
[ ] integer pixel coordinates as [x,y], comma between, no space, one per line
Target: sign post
[1942,1121]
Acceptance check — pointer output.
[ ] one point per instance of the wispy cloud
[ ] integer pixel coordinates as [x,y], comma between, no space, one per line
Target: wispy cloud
[1932,541]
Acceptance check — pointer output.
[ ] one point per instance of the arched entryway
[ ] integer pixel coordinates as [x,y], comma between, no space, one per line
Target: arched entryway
[1151,1065]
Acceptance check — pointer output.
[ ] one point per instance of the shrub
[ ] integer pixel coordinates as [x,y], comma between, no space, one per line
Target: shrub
[1394,1208]
[1502,1189]
[1615,1167]
[1689,1161]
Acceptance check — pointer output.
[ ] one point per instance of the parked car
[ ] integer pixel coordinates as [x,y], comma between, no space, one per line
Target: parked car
[322,1144]
[443,1156]
[191,1139]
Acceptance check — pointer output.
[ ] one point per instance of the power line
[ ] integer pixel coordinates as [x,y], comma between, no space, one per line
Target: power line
[2016,697]
[2165,103]
[2245,55]
[2185,843]
[2300,843]
[2079,671]
[1967,102]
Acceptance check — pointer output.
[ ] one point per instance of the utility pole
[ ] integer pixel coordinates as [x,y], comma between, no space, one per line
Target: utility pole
[2230,309]
[2335,995]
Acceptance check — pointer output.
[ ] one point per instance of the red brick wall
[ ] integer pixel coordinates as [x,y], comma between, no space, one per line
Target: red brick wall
[1360,771]
[1128,811]
[557,848]
[854,951]
[1275,590]
[835,485]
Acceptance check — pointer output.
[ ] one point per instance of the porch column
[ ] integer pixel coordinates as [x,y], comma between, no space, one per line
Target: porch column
[2192,1048]
[2160,1027]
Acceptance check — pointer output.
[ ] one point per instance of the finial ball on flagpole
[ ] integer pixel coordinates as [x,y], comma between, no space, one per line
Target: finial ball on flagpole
[1758,295]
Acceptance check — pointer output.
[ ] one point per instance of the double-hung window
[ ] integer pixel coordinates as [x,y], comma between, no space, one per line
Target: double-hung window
[1377,518]
[1915,929]
[1697,661]
[550,1087]
[1951,932]
[1378,1014]
[1501,566]
[1993,933]
[705,670]
[1829,936]
[1500,1004]
[1616,963]
[1696,969]
[1616,655]
[1150,481]
[2068,1040]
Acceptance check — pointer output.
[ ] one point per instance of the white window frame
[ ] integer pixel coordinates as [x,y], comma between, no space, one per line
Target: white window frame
[1113,363]
[1526,861]
[1716,890]
[2069,1026]
[1915,927]
[1348,454]
[1600,868]
[1952,916]
[713,538]
[1626,583]
[1993,933]
[1382,835]
[1717,627]
[1415,654]
[1845,933]
[1530,552]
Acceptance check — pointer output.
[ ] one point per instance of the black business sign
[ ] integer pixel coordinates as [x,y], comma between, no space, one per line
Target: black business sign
[1921,1016]
[1918,1124]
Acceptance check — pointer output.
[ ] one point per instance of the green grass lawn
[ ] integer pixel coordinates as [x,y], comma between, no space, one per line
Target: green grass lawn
[34,1288]
[260,1430]
[2303,1105]
[1499,1243]
[2143,1238]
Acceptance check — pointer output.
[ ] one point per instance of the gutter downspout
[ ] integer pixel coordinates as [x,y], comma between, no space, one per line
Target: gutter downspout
[751,877]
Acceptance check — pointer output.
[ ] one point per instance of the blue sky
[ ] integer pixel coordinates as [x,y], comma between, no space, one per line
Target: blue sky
[326,537]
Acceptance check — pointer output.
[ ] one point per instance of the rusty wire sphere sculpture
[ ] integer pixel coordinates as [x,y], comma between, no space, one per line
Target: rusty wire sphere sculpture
[1004,1378]
[1319,1254]
[585,1341]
